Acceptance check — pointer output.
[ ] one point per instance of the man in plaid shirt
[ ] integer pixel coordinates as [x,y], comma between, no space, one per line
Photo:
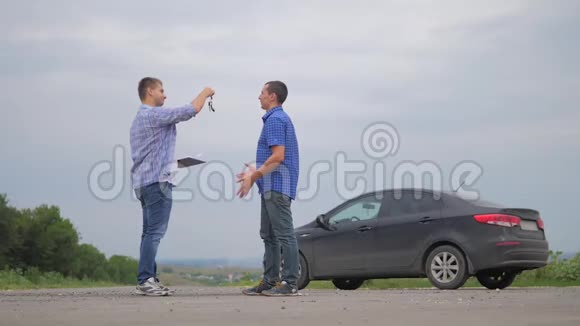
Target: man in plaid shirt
[152,140]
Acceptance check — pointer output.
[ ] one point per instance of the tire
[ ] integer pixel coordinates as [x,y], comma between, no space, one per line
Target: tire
[496,279]
[446,268]
[303,278]
[347,284]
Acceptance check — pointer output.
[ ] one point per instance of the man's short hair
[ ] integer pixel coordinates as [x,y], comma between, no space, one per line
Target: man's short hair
[279,88]
[145,83]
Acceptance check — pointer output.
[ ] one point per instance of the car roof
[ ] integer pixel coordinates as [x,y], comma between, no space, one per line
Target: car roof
[450,196]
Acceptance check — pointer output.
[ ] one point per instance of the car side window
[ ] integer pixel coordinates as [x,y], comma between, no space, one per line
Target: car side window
[363,209]
[406,203]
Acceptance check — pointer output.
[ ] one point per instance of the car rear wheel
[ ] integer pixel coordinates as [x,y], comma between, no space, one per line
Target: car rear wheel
[347,284]
[446,268]
[303,279]
[496,279]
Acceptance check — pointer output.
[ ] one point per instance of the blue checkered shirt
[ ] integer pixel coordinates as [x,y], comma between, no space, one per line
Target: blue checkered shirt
[278,130]
[153,142]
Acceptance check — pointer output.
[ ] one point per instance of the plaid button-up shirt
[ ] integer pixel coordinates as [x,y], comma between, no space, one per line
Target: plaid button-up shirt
[152,139]
[278,130]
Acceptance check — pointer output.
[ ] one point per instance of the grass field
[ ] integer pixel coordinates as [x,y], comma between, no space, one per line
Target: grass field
[10,280]
[417,283]
[558,273]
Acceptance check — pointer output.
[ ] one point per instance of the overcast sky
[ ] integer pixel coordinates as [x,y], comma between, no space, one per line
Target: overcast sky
[493,82]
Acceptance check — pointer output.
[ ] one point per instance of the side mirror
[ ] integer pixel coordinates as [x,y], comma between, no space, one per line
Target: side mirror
[320,221]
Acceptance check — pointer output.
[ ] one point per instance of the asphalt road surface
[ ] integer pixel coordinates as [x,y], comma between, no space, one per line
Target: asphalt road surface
[227,306]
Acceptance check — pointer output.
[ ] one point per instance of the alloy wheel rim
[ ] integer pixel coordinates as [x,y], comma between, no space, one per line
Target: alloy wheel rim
[445,267]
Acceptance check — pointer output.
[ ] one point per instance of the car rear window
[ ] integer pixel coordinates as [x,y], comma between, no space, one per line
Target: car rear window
[478,202]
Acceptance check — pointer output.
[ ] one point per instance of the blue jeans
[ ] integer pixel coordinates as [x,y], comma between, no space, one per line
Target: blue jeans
[277,231]
[156,201]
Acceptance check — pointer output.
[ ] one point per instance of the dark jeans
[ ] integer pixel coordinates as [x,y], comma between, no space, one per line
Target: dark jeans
[277,231]
[156,201]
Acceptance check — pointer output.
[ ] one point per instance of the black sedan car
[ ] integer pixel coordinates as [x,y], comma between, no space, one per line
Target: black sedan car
[417,233]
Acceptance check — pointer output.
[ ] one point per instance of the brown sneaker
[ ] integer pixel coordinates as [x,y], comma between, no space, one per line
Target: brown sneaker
[258,289]
[281,290]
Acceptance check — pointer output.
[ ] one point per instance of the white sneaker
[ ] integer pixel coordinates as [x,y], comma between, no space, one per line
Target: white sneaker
[163,287]
[151,288]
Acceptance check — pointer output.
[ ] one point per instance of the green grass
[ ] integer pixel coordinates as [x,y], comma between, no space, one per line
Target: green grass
[423,283]
[419,283]
[558,273]
[10,280]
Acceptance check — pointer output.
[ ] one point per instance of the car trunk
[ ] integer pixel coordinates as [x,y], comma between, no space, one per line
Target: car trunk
[530,223]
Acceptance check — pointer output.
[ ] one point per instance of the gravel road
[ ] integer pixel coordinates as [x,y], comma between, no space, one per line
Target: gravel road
[227,306]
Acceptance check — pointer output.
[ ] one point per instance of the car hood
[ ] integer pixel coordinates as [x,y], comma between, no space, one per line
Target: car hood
[305,227]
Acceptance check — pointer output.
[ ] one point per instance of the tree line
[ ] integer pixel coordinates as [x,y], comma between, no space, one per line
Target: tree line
[42,239]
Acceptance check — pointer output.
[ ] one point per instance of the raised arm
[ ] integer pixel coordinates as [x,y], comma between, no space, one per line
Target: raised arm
[168,116]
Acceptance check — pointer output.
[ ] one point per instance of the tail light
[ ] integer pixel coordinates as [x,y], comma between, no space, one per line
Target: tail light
[540,223]
[498,219]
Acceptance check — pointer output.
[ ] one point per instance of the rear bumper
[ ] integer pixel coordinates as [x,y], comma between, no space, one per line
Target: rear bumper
[527,254]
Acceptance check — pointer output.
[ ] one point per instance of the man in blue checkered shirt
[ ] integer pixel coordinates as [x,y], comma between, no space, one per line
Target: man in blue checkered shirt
[152,140]
[276,174]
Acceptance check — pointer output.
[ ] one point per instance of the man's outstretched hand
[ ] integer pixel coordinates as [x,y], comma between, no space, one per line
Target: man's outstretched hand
[246,179]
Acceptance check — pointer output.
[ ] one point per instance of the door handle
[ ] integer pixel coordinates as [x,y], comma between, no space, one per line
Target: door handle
[364,228]
[425,220]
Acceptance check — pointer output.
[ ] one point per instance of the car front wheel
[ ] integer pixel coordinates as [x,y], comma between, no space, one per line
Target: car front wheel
[303,279]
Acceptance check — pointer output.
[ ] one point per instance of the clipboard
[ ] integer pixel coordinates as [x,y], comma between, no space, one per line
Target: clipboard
[188,161]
